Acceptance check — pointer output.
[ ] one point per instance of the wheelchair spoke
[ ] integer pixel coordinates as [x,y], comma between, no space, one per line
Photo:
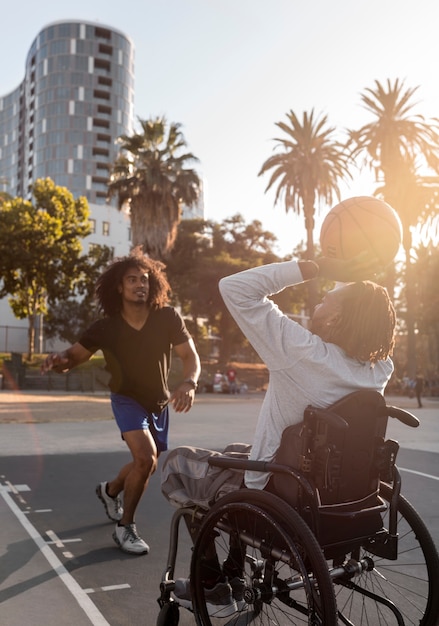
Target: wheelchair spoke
[274,579]
[410,583]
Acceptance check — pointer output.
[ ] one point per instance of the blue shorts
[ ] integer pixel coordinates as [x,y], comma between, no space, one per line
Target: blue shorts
[130,415]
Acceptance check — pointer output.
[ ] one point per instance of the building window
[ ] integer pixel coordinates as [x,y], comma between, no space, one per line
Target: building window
[92,226]
[106,228]
[103,32]
[104,80]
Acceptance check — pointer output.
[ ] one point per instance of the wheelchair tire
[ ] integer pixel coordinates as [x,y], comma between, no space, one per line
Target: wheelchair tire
[169,615]
[284,577]
[411,582]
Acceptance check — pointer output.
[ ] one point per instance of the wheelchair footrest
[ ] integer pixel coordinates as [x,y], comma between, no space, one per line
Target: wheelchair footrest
[384,545]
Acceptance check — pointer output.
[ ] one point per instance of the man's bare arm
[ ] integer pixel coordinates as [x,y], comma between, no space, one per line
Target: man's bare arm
[66,360]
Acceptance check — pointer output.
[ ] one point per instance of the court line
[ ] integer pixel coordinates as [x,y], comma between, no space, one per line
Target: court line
[410,471]
[89,608]
[108,588]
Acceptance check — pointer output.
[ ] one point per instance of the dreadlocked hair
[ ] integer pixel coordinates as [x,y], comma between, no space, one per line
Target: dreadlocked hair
[366,327]
[107,287]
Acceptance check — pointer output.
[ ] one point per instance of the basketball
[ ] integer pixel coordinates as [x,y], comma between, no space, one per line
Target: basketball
[359,224]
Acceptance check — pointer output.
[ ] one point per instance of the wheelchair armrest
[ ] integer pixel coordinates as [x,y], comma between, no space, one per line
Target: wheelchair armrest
[271,467]
[239,464]
[228,462]
[403,416]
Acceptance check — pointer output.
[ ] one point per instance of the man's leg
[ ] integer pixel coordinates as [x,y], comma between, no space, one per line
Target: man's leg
[134,478]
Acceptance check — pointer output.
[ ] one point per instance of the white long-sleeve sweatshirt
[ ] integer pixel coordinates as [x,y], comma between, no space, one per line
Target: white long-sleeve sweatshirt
[303,369]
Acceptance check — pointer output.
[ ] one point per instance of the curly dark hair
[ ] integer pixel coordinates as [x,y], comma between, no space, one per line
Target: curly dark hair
[107,287]
[366,327]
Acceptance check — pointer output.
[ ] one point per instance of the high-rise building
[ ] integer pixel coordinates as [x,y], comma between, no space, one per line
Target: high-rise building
[62,122]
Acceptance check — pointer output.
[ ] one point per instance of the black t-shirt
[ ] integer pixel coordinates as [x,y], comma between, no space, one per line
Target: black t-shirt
[139,360]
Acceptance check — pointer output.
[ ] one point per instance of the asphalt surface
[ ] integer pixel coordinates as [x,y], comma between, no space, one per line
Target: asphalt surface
[58,564]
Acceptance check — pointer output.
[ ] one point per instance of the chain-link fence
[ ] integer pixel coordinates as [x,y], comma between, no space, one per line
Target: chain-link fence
[16,375]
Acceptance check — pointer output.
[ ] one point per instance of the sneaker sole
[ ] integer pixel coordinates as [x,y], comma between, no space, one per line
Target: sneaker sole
[136,552]
[102,499]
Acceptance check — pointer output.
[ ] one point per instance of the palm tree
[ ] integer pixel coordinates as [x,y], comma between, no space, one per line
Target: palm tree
[308,168]
[396,144]
[151,179]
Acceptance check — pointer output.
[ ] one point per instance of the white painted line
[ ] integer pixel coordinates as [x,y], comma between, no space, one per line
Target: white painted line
[11,488]
[54,539]
[89,608]
[404,469]
[64,541]
[17,488]
[59,543]
[108,588]
[42,511]
[115,587]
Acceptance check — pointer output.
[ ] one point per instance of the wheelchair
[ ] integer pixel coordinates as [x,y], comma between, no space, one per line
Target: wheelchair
[333,543]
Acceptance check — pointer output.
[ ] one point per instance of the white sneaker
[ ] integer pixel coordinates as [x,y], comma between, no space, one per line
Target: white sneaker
[128,540]
[113,506]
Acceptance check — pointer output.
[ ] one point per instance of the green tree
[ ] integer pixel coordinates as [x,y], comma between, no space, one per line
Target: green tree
[151,179]
[204,252]
[397,144]
[67,318]
[427,277]
[40,244]
[308,168]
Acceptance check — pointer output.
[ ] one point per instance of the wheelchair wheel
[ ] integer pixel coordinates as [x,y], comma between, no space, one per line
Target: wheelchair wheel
[410,583]
[273,562]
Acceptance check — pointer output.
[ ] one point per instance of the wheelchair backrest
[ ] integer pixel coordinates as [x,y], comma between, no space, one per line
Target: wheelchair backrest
[342,448]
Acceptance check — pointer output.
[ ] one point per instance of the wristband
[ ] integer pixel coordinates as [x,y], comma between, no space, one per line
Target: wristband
[191,381]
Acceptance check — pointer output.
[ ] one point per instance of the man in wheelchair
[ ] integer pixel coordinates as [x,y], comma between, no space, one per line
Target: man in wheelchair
[347,348]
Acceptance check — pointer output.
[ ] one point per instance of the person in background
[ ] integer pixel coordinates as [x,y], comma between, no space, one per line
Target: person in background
[419,388]
[136,334]
[231,379]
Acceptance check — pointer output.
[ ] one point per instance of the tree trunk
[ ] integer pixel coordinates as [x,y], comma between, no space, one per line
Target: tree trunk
[410,316]
[195,330]
[310,255]
[31,337]
[225,348]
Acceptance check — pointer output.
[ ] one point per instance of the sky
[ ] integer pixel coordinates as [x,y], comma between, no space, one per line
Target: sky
[228,70]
